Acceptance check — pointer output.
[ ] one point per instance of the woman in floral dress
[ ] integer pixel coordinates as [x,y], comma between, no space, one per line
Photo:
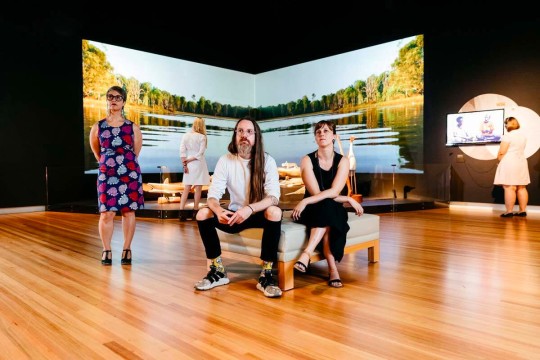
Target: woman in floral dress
[116,143]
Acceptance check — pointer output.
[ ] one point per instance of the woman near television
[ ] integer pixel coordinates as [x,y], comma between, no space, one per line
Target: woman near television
[513,170]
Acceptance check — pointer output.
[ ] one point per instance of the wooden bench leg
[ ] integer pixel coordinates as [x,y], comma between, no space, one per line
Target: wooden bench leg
[286,275]
[373,254]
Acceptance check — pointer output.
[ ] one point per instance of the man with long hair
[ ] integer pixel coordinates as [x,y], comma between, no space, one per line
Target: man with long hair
[251,177]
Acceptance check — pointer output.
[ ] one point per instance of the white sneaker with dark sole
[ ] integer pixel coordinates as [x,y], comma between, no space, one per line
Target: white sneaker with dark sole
[268,286]
[212,279]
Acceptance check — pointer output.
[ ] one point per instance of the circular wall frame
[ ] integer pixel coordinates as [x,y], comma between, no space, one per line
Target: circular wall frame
[528,120]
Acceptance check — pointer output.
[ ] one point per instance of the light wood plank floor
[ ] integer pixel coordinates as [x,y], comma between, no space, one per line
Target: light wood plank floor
[451,284]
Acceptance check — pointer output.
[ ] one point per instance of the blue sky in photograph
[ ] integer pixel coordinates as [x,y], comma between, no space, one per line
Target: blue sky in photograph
[327,75]
[181,77]
[186,78]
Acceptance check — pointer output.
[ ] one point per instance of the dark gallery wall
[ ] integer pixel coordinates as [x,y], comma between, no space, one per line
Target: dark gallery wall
[41,110]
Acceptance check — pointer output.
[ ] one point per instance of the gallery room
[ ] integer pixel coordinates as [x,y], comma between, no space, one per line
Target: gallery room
[422,106]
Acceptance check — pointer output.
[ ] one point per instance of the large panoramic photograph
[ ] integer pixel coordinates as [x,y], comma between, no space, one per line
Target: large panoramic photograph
[375,96]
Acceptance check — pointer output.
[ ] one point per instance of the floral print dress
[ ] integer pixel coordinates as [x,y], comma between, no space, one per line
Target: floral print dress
[119,182]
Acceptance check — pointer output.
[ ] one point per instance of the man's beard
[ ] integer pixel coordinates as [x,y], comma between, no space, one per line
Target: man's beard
[244,149]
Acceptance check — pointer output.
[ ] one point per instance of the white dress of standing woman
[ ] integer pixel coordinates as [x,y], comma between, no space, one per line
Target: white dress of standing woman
[192,152]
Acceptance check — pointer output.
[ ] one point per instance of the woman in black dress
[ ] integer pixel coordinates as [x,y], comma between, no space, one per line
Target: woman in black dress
[324,173]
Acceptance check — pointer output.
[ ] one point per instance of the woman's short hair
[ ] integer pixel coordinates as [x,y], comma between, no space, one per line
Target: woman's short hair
[511,118]
[321,123]
[119,89]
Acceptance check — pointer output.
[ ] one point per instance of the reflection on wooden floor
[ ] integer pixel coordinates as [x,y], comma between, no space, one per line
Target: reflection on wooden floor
[154,209]
[451,284]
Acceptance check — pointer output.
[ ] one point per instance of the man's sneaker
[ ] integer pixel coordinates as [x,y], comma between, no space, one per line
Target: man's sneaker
[212,279]
[268,286]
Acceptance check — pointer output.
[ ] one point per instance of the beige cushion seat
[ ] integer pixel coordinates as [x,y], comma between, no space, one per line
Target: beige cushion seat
[363,234]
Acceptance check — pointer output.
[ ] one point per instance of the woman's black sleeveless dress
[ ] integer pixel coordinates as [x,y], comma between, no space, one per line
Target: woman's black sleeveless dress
[327,212]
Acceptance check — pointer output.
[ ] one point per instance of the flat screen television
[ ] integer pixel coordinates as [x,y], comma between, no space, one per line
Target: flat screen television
[475,127]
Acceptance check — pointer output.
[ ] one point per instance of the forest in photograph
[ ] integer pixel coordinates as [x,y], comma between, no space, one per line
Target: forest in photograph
[403,81]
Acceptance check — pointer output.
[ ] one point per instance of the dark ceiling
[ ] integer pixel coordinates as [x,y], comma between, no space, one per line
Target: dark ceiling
[257,41]
[271,37]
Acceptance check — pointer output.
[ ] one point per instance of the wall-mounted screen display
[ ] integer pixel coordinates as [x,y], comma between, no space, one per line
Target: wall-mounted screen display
[475,127]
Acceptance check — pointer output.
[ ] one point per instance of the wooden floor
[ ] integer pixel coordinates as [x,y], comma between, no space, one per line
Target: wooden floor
[451,284]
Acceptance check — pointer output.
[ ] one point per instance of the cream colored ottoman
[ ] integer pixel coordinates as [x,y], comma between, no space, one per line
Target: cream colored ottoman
[364,234]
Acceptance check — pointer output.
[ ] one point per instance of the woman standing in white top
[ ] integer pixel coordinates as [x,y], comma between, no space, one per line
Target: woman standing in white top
[513,169]
[192,148]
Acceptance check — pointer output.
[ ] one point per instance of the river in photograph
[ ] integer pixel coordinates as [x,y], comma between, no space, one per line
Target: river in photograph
[386,138]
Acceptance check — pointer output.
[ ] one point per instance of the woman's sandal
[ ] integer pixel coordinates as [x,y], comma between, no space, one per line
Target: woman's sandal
[300,266]
[126,257]
[335,283]
[106,257]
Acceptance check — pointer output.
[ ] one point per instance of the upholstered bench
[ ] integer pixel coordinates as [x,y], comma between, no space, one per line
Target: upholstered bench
[364,234]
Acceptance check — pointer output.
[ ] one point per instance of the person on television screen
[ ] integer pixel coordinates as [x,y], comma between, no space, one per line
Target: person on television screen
[116,143]
[192,149]
[486,127]
[324,173]
[486,130]
[251,178]
[513,170]
[460,134]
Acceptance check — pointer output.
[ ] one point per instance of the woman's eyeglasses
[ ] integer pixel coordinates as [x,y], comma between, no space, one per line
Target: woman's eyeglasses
[111,97]
[247,132]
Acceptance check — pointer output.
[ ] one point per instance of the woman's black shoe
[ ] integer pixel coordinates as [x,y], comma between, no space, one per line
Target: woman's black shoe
[507,215]
[126,257]
[521,214]
[106,257]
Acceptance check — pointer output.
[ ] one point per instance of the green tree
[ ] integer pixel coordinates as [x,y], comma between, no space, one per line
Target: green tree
[182,103]
[97,71]
[133,88]
[305,104]
[216,108]
[144,95]
[407,76]
[349,96]
[371,89]
[360,87]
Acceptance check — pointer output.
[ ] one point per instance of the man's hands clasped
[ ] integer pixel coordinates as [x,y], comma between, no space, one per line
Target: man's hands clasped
[238,217]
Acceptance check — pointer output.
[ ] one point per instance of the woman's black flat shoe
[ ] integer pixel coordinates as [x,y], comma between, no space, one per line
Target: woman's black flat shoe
[106,257]
[507,215]
[126,257]
[521,214]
